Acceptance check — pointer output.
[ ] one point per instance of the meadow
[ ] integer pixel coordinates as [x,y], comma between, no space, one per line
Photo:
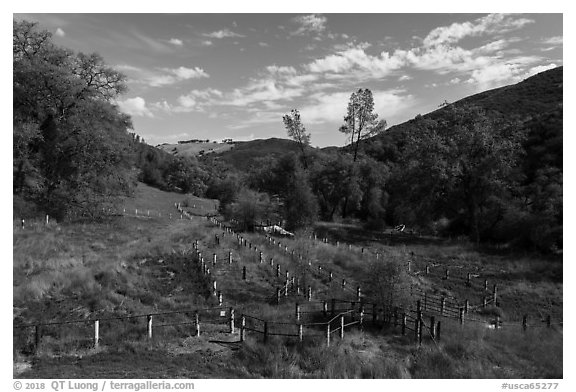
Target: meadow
[133,264]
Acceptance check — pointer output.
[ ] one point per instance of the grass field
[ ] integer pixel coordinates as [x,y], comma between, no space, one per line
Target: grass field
[140,264]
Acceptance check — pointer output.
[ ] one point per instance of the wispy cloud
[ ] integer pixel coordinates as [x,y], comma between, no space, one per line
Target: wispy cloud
[176,41]
[162,76]
[224,33]
[59,32]
[309,24]
[490,24]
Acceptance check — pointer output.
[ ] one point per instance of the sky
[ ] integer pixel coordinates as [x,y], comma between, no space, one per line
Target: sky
[217,76]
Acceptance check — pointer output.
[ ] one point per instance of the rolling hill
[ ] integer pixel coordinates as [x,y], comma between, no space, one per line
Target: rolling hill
[244,154]
[194,149]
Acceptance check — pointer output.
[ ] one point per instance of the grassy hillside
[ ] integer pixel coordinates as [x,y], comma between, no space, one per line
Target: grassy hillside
[244,154]
[140,264]
[194,149]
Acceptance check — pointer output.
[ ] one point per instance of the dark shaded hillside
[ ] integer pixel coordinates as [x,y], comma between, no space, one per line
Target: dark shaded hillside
[536,102]
[243,155]
[538,94]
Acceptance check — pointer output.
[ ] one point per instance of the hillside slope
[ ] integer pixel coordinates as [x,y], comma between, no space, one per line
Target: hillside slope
[535,102]
[194,149]
[244,154]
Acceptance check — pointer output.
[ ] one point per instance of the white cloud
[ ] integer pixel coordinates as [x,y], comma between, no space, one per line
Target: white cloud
[494,75]
[555,41]
[404,78]
[263,44]
[207,43]
[135,107]
[332,107]
[172,75]
[176,41]
[539,68]
[184,73]
[309,24]
[59,32]
[225,33]
[490,24]
[356,60]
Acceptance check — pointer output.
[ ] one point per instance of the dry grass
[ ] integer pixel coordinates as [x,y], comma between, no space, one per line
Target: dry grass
[138,265]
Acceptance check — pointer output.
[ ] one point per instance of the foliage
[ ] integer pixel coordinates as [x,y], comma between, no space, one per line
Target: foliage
[462,167]
[250,208]
[72,150]
[360,122]
[297,132]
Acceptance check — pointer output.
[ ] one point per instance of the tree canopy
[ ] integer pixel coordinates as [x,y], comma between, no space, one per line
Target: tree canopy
[72,150]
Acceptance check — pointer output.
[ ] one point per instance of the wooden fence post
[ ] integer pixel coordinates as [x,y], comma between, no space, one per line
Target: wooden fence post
[461,315]
[403,324]
[277,270]
[242,328]
[277,296]
[495,295]
[427,270]
[497,322]
[524,322]
[361,321]
[297,311]
[37,334]
[420,326]
[358,293]
[485,284]
[447,274]
[149,326]
[325,308]
[261,258]
[438,331]
[468,282]
[417,330]
[96,333]
[214,259]
[343,283]
[244,273]
[300,332]
[330,277]
[214,290]
[484,302]
[432,327]
[309,295]
[197,323]
[342,327]
[271,261]
[409,266]
[22,222]
[466,306]
[328,335]
[231,320]
[442,305]
[219,298]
